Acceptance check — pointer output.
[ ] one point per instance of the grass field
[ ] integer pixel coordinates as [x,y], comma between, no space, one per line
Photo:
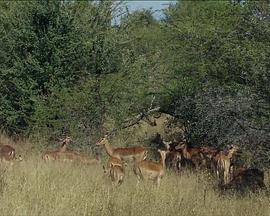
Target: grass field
[33,187]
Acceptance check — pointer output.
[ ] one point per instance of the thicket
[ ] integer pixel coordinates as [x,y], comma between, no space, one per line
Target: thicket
[65,67]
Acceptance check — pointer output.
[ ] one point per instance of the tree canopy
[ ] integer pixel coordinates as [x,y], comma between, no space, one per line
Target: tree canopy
[65,67]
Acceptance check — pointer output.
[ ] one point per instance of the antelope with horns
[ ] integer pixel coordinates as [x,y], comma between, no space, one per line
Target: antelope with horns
[126,154]
[64,154]
[150,169]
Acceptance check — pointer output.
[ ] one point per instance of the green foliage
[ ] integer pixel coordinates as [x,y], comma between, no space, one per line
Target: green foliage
[64,68]
[218,55]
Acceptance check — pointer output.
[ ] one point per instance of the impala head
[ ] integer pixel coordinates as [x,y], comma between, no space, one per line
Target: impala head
[233,149]
[102,141]
[181,146]
[45,157]
[67,140]
[163,153]
[167,144]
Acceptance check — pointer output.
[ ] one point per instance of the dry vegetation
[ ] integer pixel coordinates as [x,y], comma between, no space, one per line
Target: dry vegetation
[33,187]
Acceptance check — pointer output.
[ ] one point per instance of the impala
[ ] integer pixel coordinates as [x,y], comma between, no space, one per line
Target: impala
[115,170]
[76,157]
[126,154]
[55,154]
[246,178]
[150,169]
[114,162]
[208,154]
[192,155]
[173,157]
[223,164]
[7,153]
[64,143]
[64,154]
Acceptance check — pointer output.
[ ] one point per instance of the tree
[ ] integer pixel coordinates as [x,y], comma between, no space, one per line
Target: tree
[216,52]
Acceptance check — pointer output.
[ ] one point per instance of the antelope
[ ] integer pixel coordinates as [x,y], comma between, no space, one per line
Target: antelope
[76,157]
[223,164]
[7,154]
[64,154]
[116,170]
[173,157]
[192,155]
[150,169]
[135,154]
[246,178]
[65,142]
[54,155]
[208,154]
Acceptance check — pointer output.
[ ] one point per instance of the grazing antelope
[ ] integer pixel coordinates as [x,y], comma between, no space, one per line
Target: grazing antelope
[246,179]
[126,154]
[223,164]
[115,170]
[150,169]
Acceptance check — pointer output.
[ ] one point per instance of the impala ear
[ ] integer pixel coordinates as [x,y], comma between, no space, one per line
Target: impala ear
[228,146]
[167,144]
[107,136]
[68,140]
[178,147]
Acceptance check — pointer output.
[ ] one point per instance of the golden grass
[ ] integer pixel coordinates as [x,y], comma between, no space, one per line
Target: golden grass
[33,187]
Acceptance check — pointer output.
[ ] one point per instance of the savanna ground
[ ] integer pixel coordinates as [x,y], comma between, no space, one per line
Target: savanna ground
[34,187]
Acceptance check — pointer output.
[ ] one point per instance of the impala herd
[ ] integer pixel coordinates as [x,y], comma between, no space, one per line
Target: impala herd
[176,156]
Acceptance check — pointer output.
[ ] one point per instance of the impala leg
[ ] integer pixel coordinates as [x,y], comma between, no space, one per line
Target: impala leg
[158,181]
[137,173]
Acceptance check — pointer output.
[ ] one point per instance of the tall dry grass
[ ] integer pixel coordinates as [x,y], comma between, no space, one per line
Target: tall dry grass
[34,187]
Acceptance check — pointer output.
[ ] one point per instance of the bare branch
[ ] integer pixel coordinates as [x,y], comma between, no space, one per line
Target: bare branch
[136,119]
